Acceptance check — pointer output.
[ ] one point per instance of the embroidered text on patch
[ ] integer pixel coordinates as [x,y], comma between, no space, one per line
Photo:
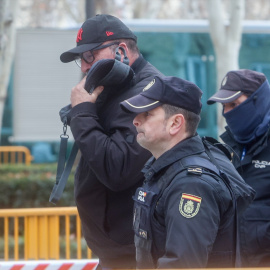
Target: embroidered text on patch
[141,196]
[260,164]
[189,205]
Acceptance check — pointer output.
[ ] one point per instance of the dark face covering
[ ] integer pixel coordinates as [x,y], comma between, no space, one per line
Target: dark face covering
[250,119]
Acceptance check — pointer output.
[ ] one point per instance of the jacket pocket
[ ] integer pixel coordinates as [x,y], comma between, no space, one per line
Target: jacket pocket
[255,229]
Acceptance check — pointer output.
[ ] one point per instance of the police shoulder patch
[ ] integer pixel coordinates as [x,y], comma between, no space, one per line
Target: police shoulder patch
[189,205]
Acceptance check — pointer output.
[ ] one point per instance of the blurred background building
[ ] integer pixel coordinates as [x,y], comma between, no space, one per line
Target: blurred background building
[173,35]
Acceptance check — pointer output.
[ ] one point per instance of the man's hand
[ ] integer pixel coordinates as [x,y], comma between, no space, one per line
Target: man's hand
[80,95]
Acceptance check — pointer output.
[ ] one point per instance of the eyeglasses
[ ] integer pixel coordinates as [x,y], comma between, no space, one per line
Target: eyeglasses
[88,56]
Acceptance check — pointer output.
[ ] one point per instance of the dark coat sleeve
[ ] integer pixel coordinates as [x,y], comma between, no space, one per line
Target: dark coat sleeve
[113,155]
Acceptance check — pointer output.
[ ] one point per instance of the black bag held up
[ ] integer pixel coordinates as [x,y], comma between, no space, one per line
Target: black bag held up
[105,72]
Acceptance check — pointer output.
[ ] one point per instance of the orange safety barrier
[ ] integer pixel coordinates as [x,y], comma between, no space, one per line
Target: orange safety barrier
[40,230]
[15,154]
[41,240]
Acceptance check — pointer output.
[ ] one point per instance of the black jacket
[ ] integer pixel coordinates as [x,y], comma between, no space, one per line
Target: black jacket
[192,224]
[109,170]
[255,222]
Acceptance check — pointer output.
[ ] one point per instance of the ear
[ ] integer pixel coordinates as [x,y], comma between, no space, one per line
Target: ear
[120,52]
[176,123]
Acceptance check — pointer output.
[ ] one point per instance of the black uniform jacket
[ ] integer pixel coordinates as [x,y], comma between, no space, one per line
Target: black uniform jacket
[193,223]
[109,170]
[255,222]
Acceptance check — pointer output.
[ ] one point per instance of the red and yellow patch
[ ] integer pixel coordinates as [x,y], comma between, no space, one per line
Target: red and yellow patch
[189,205]
[191,197]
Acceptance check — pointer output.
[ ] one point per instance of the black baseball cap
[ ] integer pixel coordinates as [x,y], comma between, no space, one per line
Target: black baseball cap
[236,83]
[95,31]
[166,90]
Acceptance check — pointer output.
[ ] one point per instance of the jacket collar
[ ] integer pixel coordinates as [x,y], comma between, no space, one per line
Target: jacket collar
[139,63]
[188,147]
[253,148]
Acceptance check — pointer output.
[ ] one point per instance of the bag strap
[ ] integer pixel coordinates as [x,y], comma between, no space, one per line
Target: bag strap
[63,168]
[221,173]
[60,185]
[224,176]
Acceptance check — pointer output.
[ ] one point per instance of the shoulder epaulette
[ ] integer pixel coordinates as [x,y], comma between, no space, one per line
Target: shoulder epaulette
[194,170]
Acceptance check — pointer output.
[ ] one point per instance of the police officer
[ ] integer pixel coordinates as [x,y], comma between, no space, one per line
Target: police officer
[184,214]
[244,95]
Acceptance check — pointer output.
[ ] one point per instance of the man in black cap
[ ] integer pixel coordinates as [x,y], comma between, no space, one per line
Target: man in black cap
[184,214]
[109,170]
[245,96]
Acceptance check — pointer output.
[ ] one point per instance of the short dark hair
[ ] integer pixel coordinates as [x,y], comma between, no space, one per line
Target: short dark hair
[192,119]
[131,44]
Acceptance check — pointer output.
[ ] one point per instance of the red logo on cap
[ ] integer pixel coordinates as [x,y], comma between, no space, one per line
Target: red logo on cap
[79,35]
[108,33]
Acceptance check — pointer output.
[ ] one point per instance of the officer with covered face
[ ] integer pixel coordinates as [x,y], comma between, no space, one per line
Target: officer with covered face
[245,96]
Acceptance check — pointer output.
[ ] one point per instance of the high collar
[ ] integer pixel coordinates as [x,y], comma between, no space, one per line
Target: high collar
[252,149]
[188,147]
[255,147]
[138,64]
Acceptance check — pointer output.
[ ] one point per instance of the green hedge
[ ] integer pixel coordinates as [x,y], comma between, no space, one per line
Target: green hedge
[30,186]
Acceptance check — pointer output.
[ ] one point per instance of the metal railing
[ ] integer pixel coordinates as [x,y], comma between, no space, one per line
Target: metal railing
[15,154]
[40,230]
